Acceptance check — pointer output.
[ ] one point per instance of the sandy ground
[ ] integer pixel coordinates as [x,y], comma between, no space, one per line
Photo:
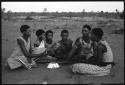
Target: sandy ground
[63,75]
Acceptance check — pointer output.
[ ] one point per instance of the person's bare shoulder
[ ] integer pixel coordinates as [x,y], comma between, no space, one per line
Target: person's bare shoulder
[70,41]
[19,40]
[102,47]
[54,42]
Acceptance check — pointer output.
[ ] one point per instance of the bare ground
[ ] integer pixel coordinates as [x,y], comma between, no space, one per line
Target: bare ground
[63,75]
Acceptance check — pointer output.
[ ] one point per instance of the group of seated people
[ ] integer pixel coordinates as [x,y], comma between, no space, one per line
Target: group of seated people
[54,50]
[89,54]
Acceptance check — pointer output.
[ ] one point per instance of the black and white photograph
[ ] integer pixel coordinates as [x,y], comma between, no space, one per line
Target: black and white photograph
[62,42]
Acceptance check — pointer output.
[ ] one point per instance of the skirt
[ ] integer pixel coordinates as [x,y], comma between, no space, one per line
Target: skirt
[19,61]
[90,69]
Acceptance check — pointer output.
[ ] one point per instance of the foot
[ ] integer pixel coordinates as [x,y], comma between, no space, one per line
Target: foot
[28,67]
[35,66]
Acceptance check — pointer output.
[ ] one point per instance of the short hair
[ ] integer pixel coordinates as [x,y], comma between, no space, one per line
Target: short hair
[98,32]
[23,28]
[64,31]
[39,32]
[48,31]
[87,26]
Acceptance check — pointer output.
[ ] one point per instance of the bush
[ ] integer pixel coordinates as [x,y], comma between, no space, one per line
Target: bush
[120,31]
[57,27]
[122,16]
[28,18]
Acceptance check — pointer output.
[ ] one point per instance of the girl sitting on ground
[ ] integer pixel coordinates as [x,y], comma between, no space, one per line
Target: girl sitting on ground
[102,62]
[82,49]
[42,44]
[22,54]
[40,38]
[50,44]
[64,46]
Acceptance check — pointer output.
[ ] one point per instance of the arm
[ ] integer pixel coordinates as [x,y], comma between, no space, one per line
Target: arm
[72,52]
[100,51]
[70,45]
[30,51]
[73,49]
[24,50]
[51,50]
[67,46]
[36,44]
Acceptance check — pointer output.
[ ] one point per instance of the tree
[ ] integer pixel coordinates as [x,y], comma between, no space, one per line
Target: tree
[122,15]
[102,12]
[92,11]
[45,10]
[9,11]
[3,10]
[116,10]
[83,10]
[107,12]
[9,14]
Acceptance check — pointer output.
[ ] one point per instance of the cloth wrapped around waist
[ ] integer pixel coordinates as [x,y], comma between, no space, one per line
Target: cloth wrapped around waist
[38,50]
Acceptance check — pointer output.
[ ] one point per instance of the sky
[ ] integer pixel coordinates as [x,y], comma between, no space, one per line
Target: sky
[109,6]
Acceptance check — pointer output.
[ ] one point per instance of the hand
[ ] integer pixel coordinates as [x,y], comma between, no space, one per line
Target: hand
[29,60]
[36,44]
[84,42]
[56,46]
[88,46]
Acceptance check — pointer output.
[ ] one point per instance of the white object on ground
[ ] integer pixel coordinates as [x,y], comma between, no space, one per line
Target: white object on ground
[45,82]
[53,65]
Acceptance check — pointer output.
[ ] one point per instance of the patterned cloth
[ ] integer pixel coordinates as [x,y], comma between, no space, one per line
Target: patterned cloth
[96,70]
[91,69]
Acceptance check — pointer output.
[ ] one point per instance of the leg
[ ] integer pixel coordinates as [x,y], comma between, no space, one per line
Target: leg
[78,58]
[13,63]
[90,69]
[45,59]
